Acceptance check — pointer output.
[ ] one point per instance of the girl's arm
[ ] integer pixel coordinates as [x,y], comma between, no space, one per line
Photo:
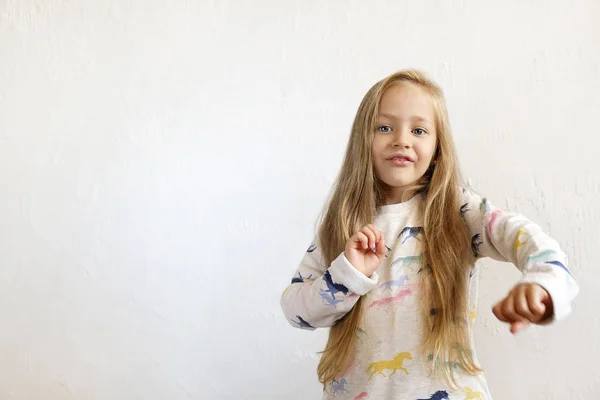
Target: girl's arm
[508,236]
[319,296]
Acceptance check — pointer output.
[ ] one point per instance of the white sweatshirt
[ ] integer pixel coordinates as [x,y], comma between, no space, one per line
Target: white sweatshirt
[387,362]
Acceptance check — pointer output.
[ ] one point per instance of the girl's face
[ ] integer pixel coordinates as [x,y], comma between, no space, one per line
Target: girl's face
[405,138]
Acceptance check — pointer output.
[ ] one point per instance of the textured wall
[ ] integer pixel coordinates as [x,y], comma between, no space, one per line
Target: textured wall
[162,164]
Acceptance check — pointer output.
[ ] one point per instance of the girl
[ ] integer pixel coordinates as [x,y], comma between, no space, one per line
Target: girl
[391,270]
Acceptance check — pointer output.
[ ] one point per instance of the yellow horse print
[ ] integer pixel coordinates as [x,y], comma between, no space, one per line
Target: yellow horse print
[393,364]
[472,315]
[471,395]
[518,242]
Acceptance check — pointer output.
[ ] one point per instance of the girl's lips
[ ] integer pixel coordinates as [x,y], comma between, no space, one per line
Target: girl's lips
[400,162]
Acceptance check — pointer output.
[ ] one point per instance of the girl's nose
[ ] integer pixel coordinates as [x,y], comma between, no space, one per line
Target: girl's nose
[402,139]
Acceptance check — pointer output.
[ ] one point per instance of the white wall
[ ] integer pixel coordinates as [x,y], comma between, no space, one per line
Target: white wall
[162,165]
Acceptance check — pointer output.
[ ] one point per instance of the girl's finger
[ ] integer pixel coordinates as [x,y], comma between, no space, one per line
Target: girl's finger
[534,299]
[377,232]
[508,309]
[370,235]
[497,310]
[521,303]
[363,240]
[381,249]
[518,326]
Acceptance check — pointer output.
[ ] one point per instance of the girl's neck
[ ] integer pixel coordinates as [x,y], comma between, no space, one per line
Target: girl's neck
[397,196]
[399,207]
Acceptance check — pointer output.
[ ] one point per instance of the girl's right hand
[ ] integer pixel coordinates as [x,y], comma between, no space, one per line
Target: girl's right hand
[360,250]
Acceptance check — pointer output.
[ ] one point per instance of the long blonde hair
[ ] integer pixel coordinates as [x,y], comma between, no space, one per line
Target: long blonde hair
[353,204]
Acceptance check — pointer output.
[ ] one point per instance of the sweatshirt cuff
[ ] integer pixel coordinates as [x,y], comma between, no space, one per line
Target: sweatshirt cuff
[561,292]
[343,272]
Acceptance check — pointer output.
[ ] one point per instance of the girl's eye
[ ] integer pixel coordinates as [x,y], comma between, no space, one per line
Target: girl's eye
[384,129]
[419,132]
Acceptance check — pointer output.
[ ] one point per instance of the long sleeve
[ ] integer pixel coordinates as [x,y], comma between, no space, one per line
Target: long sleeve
[508,236]
[319,296]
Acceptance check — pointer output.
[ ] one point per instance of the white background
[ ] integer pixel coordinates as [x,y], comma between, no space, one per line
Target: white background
[163,164]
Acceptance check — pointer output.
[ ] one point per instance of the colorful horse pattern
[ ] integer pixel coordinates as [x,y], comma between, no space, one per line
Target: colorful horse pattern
[394,283]
[411,232]
[518,241]
[300,279]
[329,299]
[464,209]
[439,395]
[302,323]
[476,241]
[339,386]
[395,299]
[473,395]
[406,261]
[395,364]
[333,287]
[399,281]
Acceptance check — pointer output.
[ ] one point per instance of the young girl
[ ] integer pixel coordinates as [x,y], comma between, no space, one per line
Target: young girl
[391,270]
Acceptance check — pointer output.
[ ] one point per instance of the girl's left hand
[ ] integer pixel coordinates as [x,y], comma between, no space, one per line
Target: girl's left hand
[526,303]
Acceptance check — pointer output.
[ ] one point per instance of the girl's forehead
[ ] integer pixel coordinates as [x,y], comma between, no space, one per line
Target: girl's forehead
[407,102]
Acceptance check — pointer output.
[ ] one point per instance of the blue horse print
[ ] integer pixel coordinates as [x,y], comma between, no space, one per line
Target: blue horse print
[464,209]
[333,287]
[302,323]
[300,278]
[328,298]
[393,283]
[475,243]
[439,395]
[559,264]
[339,386]
[411,231]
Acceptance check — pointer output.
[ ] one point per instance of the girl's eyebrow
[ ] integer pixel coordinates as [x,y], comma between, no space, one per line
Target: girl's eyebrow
[415,118]
[421,119]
